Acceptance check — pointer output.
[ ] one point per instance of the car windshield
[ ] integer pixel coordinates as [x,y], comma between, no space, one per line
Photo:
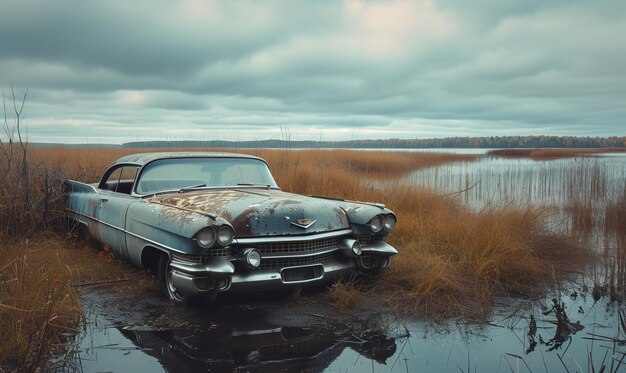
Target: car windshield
[189,173]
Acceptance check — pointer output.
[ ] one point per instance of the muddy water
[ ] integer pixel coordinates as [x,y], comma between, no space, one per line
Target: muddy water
[149,334]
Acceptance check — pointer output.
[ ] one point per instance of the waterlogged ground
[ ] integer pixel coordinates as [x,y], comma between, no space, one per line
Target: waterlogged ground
[148,334]
[567,331]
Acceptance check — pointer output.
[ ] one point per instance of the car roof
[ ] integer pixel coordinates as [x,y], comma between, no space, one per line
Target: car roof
[144,158]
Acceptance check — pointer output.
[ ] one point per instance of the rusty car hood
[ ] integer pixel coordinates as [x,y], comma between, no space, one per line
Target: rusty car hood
[259,212]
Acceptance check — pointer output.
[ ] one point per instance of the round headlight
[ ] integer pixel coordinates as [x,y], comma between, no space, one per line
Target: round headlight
[376,223]
[253,258]
[225,235]
[206,237]
[389,222]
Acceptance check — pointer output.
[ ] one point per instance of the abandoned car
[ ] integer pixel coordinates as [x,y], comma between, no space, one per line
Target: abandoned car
[208,223]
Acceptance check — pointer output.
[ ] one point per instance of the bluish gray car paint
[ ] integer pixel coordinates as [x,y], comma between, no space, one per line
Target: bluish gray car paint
[311,231]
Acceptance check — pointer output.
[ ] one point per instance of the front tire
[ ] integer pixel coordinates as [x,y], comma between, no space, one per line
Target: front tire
[165,281]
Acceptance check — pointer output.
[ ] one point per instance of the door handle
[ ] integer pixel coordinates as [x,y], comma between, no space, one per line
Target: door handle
[104,199]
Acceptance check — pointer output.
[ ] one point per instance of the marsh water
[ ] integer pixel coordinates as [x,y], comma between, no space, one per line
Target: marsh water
[150,335]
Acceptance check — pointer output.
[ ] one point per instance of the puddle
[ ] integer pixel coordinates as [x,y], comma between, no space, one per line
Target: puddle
[151,335]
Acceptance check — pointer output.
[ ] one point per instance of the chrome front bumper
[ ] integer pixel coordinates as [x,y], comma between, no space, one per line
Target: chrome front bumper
[227,275]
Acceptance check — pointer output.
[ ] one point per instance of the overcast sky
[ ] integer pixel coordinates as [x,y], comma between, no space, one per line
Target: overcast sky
[117,71]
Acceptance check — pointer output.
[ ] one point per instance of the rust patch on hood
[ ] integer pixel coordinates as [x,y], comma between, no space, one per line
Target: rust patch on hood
[211,202]
[260,213]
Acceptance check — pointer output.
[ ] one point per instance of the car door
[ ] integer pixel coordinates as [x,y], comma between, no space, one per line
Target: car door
[115,198]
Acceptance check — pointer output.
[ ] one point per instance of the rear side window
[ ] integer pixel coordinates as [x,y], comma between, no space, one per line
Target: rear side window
[120,180]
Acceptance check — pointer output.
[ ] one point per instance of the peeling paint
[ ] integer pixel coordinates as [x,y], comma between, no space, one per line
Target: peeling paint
[260,214]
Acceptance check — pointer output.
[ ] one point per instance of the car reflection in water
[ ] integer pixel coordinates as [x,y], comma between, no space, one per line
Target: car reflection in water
[269,347]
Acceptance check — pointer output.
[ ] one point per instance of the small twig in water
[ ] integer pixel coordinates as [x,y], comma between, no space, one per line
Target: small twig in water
[562,362]
[317,315]
[462,191]
[519,358]
[102,282]
[620,361]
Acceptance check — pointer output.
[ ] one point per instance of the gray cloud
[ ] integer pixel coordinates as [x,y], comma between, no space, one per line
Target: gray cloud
[342,69]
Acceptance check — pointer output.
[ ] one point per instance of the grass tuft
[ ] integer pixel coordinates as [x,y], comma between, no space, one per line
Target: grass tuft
[344,294]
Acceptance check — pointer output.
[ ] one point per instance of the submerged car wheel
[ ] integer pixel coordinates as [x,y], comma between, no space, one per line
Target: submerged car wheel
[165,281]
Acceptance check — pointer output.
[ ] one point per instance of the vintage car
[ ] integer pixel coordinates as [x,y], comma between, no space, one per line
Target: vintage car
[208,223]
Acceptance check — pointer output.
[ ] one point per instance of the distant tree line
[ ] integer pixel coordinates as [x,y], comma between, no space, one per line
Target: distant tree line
[448,142]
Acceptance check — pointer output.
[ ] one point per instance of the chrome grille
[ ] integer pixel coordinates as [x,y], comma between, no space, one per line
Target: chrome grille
[272,248]
[194,259]
[293,262]
[366,240]
[219,252]
[197,259]
[297,246]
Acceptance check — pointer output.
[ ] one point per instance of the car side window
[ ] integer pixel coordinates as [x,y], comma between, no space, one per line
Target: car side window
[121,179]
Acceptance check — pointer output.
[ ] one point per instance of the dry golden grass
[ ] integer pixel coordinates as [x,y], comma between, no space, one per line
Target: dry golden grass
[454,261]
[344,294]
[38,304]
[549,153]
[87,164]
[345,173]
[582,217]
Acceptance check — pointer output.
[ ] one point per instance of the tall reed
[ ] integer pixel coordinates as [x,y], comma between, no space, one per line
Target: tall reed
[31,198]
[38,305]
[615,249]
[553,153]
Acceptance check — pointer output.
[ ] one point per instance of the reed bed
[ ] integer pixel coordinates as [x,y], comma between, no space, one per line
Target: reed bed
[30,194]
[454,262]
[614,282]
[553,153]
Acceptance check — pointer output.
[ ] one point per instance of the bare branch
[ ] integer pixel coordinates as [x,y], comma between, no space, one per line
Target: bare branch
[18,116]
[7,128]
